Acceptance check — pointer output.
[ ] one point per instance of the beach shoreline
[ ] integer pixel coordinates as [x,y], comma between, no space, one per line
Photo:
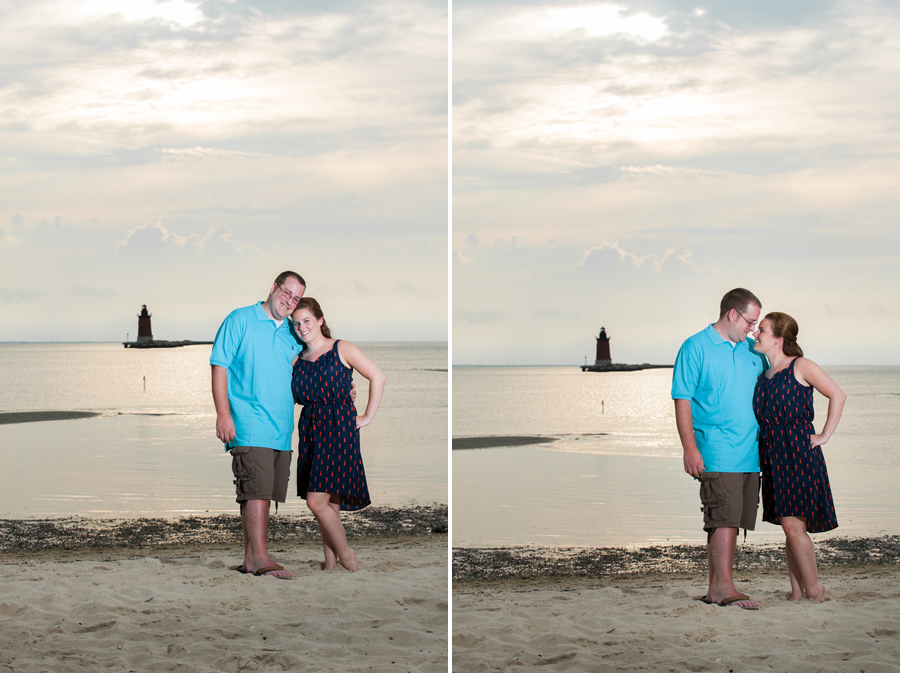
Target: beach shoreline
[81,533]
[482,564]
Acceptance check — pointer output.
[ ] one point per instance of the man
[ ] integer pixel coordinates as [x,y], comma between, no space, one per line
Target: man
[251,383]
[712,385]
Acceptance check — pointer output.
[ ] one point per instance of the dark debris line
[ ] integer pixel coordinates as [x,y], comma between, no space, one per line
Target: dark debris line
[524,563]
[81,533]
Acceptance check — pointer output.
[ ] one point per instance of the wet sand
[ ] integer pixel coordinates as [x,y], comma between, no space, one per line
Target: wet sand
[492,442]
[635,609]
[152,594]
[8,417]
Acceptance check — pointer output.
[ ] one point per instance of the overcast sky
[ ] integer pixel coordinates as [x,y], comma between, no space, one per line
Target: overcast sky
[182,153]
[624,165]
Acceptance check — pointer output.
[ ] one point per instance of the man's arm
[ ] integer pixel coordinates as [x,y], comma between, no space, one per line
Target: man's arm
[224,423]
[684,421]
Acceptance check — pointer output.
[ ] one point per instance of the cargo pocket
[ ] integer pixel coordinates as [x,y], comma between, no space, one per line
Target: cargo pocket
[246,482]
[712,497]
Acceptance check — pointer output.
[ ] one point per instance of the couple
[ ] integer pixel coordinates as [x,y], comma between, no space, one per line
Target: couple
[265,357]
[740,403]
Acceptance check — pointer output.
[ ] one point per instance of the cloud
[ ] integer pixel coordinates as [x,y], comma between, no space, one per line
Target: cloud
[607,255]
[483,317]
[601,20]
[152,238]
[17,295]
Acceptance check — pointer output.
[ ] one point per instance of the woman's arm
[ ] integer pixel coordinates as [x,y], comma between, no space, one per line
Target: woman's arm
[352,356]
[807,371]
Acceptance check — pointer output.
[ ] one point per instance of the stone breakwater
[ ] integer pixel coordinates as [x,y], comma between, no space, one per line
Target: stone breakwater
[74,533]
[528,563]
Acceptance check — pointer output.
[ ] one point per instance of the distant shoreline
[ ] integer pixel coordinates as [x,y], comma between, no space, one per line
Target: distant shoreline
[119,343]
[579,366]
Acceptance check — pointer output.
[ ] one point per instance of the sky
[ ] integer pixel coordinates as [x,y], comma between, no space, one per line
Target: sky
[182,153]
[623,165]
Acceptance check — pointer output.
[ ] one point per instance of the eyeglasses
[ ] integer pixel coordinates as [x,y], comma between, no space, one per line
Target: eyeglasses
[749,323]
[294,299]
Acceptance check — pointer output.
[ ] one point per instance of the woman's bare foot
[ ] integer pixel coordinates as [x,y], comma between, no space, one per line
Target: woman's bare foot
[330,559]
[349,561]
[818,594]
[795,597]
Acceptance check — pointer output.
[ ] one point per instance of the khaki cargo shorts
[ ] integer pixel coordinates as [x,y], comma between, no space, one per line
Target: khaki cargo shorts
[260,473]
[729,499]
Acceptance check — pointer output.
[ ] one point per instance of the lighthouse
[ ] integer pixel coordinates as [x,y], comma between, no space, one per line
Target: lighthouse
[145,336]
[603,358]
[604,362]
[145,332]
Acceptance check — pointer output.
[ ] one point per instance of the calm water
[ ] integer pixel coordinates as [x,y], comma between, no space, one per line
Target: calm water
[615,476]
[154,451]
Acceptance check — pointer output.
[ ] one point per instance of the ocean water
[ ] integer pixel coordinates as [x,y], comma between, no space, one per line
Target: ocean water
[614,477]
[153,450]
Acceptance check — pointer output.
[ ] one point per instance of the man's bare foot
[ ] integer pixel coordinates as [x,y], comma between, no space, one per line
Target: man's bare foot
[817,594]
[349,561]
[328,566]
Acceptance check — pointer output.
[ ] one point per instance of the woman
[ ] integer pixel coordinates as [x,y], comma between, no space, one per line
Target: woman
[330,475]
[795,489]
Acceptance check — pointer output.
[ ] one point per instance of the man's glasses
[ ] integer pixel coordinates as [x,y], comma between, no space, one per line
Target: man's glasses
[294,299]
[752,324]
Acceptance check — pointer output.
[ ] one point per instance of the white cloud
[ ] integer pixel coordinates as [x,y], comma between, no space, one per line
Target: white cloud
[177,12]
[591,20]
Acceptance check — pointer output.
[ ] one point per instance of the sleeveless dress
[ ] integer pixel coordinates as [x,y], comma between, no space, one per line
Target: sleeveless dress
[329,459]
[794,477]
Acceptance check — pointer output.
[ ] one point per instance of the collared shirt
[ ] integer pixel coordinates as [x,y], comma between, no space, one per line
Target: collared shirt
[258,352]
[718,378]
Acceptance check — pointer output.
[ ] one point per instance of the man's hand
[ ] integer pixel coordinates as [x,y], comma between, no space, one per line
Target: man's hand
[353,395]
[693,463]
[225,428]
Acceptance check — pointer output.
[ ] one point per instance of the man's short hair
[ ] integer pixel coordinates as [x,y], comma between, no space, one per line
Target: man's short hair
[737,299]
[284,275]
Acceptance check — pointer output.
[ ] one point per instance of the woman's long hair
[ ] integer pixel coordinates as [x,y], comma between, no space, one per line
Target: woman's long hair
[785,327]
[313,307]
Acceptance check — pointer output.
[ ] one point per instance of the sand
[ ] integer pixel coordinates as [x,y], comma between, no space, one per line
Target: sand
[155,595]
[558,620]
[184,610]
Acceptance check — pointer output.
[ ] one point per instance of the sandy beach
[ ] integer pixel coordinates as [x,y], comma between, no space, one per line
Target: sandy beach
[554,612]
[142,602]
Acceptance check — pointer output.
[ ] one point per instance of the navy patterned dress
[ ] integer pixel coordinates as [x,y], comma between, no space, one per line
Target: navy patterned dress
[794,478]
[329,459]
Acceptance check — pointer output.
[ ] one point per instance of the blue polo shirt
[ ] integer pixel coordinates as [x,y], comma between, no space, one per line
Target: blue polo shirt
[258,352]
[719,378]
